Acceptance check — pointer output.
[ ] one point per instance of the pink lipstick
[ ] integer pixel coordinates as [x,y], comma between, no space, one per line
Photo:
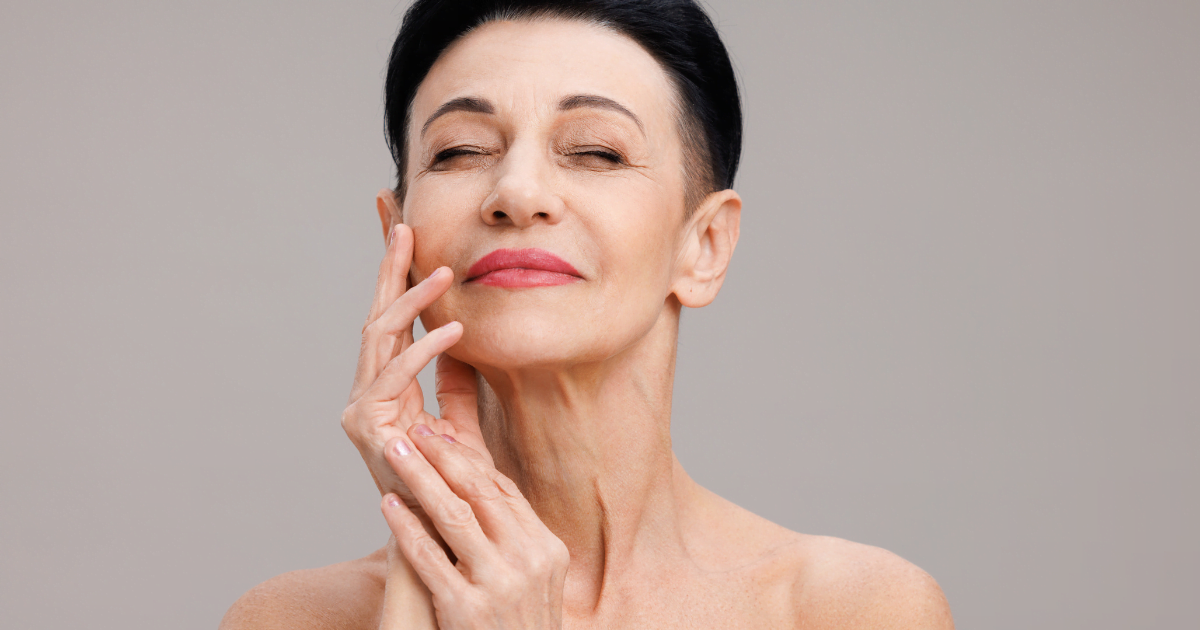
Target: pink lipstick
[522,268]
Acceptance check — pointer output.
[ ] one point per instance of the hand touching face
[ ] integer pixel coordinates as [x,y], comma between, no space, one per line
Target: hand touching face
[562,137]
[386,400]
[509,567]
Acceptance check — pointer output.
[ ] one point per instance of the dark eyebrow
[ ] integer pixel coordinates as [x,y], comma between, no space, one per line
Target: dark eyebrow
[591,100]
[461,104]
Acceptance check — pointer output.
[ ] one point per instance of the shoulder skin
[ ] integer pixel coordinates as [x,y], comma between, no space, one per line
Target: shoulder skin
[847,585]
[342,596]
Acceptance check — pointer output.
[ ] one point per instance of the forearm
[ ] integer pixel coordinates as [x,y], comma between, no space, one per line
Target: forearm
[407,604]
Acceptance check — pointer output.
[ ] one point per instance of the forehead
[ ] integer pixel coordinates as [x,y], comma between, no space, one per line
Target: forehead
[530,65]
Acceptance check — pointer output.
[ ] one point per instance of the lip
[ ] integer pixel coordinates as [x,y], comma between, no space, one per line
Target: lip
[530,267]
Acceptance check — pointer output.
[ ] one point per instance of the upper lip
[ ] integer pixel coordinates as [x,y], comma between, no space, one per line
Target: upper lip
[531,258]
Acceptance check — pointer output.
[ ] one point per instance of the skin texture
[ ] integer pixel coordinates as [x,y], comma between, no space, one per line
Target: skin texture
[557,501]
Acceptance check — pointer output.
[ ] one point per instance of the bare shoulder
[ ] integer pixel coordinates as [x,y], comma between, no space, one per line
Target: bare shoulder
[817,582]
[842,584]
[343,595]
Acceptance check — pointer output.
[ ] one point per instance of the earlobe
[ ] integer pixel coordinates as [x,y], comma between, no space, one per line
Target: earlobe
[712,236]
[389,211]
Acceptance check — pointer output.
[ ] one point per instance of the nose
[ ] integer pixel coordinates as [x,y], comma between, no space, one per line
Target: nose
[521,197]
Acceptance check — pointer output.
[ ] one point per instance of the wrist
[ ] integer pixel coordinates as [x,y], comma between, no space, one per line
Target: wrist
[407,603]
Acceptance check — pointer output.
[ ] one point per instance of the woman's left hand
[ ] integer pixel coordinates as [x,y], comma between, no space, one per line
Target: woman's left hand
[510,567]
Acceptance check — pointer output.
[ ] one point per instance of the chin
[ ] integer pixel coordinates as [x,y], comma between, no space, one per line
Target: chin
[535,340]
[542,329]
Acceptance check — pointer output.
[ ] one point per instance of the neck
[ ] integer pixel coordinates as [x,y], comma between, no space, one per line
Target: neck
[590,448]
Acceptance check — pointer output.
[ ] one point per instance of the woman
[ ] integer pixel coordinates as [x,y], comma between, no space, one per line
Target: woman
[564,173]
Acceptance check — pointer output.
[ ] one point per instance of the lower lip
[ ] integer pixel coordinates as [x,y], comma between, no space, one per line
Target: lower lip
[516,277]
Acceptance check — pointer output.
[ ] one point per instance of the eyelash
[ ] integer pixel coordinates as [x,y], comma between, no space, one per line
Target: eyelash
[607,155]
[442,156]
[447,154]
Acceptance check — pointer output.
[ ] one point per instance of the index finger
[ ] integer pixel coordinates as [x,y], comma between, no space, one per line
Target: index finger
[393,271]
[453,517]
[389,286]
[469,480]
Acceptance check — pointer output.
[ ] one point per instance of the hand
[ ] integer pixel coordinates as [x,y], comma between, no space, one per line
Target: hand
[386,399]
[510,567]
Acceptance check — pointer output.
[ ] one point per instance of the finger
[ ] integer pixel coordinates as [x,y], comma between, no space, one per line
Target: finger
[468,480]
[521,508]
[388,331]
[393,271]
[390,285]
[453,517]
[457,393]
[425,555]
[399,373]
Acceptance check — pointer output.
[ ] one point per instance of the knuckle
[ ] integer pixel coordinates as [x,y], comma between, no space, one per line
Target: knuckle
[507,584]
[553,548]
[456,512]
[506,485]
[561,554]
[549,558]
[426,550]
[482,490]
[475,606]
[406,309]
[380,330]
[349,415]
[538,562]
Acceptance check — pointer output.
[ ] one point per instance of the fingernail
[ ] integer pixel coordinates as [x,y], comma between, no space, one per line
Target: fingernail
[448,438]
[436,273]
[402,448]
[392,234]
[393,501]
[423,430]
[449,327]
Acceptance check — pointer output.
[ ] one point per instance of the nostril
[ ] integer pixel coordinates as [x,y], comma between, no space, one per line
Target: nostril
[498,215]
[543,215]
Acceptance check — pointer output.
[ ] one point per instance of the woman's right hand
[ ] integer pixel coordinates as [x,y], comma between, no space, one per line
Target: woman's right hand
[386,398]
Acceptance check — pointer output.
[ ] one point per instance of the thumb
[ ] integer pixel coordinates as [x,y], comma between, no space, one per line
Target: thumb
[457,393]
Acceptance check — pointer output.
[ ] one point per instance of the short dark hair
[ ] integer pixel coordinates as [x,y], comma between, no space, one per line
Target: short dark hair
[677,33]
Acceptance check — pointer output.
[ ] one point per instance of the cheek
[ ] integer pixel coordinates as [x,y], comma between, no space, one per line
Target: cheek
[441,215]
[639,257]
[443,222]
[638,226]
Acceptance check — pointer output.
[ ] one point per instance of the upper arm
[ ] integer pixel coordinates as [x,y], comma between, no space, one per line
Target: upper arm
[856,586]
[338,596]
[909,598]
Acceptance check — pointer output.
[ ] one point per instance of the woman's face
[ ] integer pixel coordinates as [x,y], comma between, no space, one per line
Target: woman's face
[547,135]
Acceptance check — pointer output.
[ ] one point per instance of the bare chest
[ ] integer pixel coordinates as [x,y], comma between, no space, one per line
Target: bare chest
[733,600]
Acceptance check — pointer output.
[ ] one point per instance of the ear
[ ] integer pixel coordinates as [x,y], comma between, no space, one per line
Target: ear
[709,238]
[389,211]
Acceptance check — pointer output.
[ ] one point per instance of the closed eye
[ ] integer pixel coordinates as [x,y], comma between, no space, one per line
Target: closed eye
[458,158]
[613,157]
[456,151]
[608,156]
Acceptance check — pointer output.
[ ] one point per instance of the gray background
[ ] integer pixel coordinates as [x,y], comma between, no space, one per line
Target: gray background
[961,322]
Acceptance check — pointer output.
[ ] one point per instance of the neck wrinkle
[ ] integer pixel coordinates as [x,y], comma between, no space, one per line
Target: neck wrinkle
[590,448]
